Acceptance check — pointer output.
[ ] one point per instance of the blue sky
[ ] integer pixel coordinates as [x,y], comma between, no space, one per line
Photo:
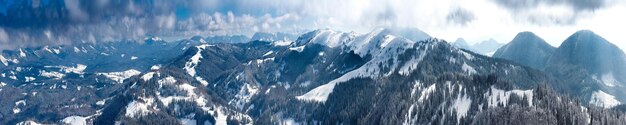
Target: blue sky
[51,22]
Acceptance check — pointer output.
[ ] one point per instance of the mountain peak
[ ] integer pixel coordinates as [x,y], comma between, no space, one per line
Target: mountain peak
[328,37]
[461,43]
[586,36]
[487,47]
[527,38]
[527,49]
[149,40]
[592,53]
[414,34]
[362,44]
[526,33]
[587,39]
[585,31]
[460,40]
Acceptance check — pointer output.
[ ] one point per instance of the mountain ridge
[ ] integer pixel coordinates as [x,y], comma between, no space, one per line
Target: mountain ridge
[377,77]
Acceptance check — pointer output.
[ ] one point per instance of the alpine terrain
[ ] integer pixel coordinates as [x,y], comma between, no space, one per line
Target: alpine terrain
[321,62]
[323,77]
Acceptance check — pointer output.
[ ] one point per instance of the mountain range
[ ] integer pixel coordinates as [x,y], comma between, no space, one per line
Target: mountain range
[487,47]
[320,77]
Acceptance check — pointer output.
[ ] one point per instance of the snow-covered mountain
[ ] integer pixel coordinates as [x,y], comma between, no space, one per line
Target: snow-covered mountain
[322,77]
[413,34]
[462,44]
[487,47]
[527,49]
[75,80]
[385,78]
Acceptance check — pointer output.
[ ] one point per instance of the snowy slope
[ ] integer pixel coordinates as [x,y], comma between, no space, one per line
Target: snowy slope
[378,44]
[602,99]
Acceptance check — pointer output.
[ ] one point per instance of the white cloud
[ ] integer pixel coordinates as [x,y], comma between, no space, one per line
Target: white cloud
[4,37]
[229,23]
[553,22]
[76,13]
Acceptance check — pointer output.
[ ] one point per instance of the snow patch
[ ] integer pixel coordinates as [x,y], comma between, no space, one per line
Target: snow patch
[221,118]
[78,69]
[47,49]
[155,38]
[147,76]
[16,109]
[411,65]
[244,96]
[29,79]
[469,69]
[282,43]
[22,54]
[202,81]
[133,58]
[498,96]
[299,48]
[190,94]
[461,105]
[467,55]
[101,102]
[155,67]
[29,122]
[268,53]
[289,121]
[139,108]
[75,120]
[602,99]
[52,74]
[259,61]
[4,60]
[119,77]
[186,87]
[386,40]
[76,50]
[319,94]
[56,51]
[190,66]
[166,81]
[185,121]
[426,92]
